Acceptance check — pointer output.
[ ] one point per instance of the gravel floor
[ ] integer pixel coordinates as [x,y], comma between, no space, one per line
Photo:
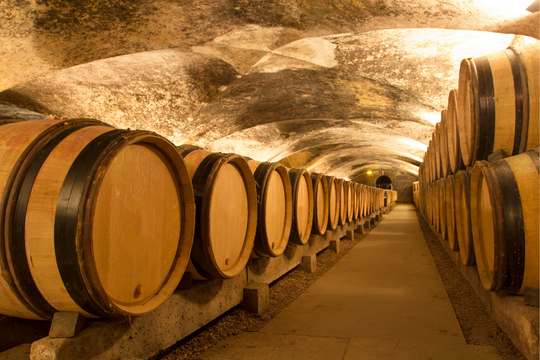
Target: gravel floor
[477,326]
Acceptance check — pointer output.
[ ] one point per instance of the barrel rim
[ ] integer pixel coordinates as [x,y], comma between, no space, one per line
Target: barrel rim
[316,180]
[492,279]
[262,174]
[332,181]
[465,237]
[188,218]
[296,175]
[16,176]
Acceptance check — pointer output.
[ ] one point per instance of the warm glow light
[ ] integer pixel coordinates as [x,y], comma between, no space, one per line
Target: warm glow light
[369,172]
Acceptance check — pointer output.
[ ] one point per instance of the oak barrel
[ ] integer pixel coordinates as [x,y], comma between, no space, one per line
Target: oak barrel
[343,203]
[442,208]
[437,148]
[505,206]
[436,206]
[350,200]
[356,187]
[498,99]
[443,145]
[302,194]
[226,201]
[275,208]
[451,229]
[452,133]
[362,207]
[333,202]
[320,204]
[463,217]
[87,210]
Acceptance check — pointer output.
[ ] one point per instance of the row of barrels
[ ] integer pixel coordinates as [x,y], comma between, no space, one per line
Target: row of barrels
[105,222]
[495,108]
[490,215]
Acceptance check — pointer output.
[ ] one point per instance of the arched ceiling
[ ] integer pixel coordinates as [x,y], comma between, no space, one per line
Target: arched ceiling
[342,103]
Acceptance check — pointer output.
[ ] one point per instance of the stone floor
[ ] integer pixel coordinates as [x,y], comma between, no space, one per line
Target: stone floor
[383,300]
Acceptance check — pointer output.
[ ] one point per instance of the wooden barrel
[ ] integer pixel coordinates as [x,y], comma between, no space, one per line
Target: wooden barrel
[421,180]
[87,211]
[436,205]
[369,196]
[356,201]
[371,192]
[451,229]
[343,203]
[361,206]
[350,199]
[463,217]
[431,204]
[437,148]
[504,208]
[320,204]
[368,200]
[498,99]
[302,193]
[442,208]
[443,146]
[452,134]
[275,210]
[427,162]
[333,202]
[226,197]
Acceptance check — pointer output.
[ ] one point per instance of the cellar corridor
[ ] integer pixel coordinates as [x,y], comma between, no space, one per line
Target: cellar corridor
[384,299]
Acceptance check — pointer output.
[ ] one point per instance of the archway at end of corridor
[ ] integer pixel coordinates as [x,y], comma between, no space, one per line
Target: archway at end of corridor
[384,182]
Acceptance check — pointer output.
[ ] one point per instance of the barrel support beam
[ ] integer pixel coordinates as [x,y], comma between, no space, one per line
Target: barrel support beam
[309,263]
[256,298]
[335,245]
[66,324]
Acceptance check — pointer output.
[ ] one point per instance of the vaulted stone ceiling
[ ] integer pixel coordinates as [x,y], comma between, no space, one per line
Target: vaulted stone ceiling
[335,87]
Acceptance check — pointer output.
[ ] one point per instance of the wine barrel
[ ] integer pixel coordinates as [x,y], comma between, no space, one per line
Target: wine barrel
[498,100]
[333,202]
[431,204]
[320,204]
[350,199]
[442,208]
[361,205]
[275,208]
[427,161]
[443,145]
[452,134]
[436,206]
[226,201]
[451,229]
[87,210]
[343,203]
[437,148]
[356,201]
[463,217]
[421,180]
[302,193]
[367,204]
[504,208]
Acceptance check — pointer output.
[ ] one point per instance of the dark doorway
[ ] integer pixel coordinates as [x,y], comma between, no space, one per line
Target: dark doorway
[384,182]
